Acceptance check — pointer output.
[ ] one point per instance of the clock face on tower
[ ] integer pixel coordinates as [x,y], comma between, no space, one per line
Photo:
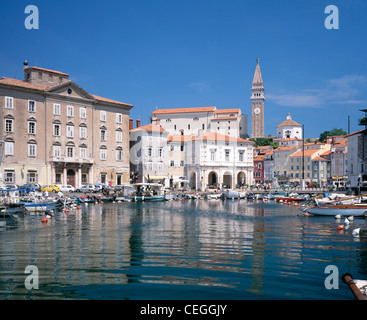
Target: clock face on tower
[257,111]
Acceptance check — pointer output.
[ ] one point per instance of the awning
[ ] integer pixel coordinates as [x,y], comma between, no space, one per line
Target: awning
[156,177]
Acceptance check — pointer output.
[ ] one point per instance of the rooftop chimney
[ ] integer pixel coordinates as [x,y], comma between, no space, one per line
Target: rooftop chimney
[137,123]
[131,124]
[25,65]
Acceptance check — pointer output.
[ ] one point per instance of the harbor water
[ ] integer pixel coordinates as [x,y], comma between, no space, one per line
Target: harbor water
[174,250]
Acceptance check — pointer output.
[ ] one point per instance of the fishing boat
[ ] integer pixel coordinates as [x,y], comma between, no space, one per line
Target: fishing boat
[147,192]
[10,202]
[290,197]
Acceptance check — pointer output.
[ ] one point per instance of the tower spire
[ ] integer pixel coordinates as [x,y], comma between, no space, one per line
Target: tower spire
[257,99]
[257,76]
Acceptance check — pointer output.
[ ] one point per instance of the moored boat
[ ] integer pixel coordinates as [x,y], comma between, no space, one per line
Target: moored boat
[230,194]
[355,210]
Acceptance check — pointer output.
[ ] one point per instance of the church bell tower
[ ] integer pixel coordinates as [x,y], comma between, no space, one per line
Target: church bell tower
[257,99]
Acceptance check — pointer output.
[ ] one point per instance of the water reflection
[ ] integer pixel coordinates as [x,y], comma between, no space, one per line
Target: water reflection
[212,248]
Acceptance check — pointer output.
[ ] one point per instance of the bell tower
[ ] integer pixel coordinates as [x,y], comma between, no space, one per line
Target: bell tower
[257,99]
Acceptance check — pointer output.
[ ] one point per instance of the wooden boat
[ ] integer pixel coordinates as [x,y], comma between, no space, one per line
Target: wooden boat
[357,287]
[355,210]
[290,197]
[334,208]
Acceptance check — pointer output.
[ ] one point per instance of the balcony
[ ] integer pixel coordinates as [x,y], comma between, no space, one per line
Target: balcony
[71,159]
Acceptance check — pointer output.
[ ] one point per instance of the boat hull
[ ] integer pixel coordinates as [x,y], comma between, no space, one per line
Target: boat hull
[34,208]
[229,194]
[338,210]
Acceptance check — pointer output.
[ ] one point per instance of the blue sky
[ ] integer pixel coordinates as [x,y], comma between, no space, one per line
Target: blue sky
[172,54]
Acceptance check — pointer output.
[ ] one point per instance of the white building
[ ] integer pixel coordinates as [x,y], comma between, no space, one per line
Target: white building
[356,158]
[196,121]
[289,129]
[215,160]
[149,153]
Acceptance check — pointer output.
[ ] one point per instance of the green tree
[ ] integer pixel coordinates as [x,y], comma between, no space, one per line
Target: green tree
[265,142]
[331,133]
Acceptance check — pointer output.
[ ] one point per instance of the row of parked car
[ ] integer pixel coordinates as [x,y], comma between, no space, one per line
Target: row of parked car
[96,187]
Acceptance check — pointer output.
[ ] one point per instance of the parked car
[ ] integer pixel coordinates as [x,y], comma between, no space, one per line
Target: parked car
[50,188]
[67,188]
[101,186]
[87,188]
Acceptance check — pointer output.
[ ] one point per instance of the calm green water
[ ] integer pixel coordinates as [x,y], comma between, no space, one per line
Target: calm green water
[196,249]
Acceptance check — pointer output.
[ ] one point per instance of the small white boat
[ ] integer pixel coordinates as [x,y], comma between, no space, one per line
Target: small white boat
[230,194]
[355,210]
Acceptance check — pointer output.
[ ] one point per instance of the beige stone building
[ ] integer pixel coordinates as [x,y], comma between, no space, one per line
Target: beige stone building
[55,132]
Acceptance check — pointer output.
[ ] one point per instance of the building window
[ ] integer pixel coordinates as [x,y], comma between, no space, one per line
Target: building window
[103,154]
[182,147]
[70,111]
[9,148]
[8,125]
[149,152]
[83,113]
[31,106]
[172,163]
[203,126]
[212,155]
[83,153]
[58,178]
[32,177]
[84,178]
[103,178]
[56,151]
[174,127]
[182,163]
[188,126]
[56,109]
[31,127]
[103,135]
[82,132]
[118,136]
[119,155]
[118,118]
[102,116]
[32,150]
[227,155]
[240,156]
[70,131]
[160,152]
[70,152]
[9,102]
[56,130]
[150,166]
[171,147]
[160,166]
[9,176]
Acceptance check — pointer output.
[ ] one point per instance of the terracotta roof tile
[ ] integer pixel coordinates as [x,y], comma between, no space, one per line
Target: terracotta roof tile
[290,123]
[109,100]
[25,84]
[48,70]
[227,111]
[224,118]
[151,127]
[184,110]
[21,83]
